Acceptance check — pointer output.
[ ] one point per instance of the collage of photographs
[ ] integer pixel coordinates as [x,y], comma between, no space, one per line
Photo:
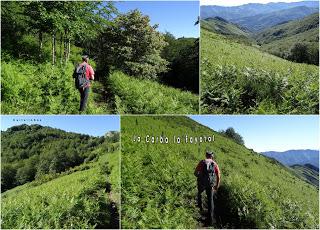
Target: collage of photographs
[158,114]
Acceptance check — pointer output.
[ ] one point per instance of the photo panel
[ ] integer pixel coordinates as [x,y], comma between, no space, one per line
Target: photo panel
[100,57]
[219,171]
[259,57]
[60,172]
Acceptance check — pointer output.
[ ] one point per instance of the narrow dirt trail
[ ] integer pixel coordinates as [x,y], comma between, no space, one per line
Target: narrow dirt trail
[100,101]
[219,210]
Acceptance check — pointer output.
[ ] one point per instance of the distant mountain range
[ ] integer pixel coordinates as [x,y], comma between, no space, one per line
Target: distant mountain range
[257,17]
[295,157]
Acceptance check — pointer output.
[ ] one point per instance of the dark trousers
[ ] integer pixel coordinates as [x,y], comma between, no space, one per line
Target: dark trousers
[210,201]
[84,94]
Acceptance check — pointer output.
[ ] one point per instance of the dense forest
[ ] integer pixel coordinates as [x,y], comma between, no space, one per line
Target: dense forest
[51,178]
[42,42]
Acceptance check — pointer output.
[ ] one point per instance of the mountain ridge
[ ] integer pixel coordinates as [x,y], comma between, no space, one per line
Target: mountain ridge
[298,156]
[250,9]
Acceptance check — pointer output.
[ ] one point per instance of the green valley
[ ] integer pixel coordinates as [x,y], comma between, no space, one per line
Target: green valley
[159,186]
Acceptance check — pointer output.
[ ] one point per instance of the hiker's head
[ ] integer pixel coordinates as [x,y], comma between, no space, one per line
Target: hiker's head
[209,155]
[85,58]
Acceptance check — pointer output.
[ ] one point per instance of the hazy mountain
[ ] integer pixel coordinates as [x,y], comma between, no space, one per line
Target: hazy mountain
[250,9]
[265,20]
[295,157]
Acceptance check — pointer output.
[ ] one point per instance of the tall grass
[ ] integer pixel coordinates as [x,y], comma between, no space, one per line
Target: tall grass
[42,89]
[143,96]
[73,200]
[236,78]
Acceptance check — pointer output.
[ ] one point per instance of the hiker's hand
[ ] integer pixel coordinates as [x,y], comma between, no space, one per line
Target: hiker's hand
[215,188]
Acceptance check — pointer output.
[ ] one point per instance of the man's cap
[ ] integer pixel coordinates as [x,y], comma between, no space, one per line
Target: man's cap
[210,153]
[85,57]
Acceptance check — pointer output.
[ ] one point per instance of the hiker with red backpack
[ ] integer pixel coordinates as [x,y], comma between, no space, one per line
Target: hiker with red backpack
[83,73]
[208,179]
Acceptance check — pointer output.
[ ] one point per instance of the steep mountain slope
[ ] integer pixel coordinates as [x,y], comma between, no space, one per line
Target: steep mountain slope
[76,199]
[159,188]
[222,26]
[295,157]
[280,38]
[289,29]
[251,9]
[228,29]
[307,172]
[79,189]
[262,21]
[240,78]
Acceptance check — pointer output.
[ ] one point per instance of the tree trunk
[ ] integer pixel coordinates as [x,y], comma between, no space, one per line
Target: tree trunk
[53,48]
[65,50]
[65,47]
[69,49]
[61,53]
[40,44]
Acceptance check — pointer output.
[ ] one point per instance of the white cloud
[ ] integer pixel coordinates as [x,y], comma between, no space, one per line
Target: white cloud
[239,2]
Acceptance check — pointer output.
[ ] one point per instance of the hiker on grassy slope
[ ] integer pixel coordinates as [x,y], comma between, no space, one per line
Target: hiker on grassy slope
[83,73]
[208,174]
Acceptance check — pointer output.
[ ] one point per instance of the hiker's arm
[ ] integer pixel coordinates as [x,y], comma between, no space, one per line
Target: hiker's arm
[197,170]
[217,171]
[91,73]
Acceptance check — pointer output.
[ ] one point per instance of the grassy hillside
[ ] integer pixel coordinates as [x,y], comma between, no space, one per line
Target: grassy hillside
[140,96]
[159,188]
[29,152]
[80,198]
[236,78]
[308,173]
[51,178]
[280,38]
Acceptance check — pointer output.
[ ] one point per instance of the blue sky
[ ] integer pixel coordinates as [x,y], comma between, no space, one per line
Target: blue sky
[176,17]
[85,124]
[265,133]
